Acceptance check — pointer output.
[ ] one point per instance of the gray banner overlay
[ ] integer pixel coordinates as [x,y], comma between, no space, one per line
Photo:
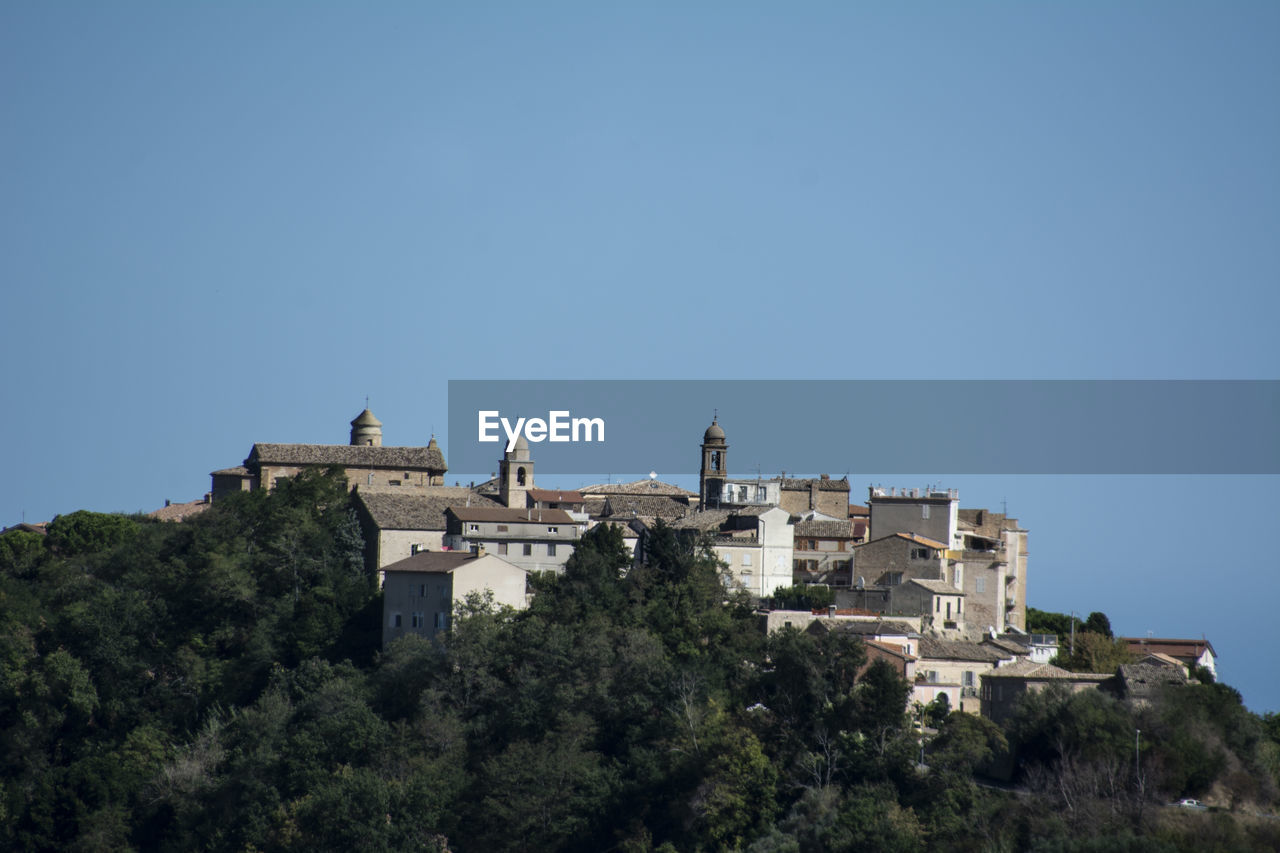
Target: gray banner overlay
[806,427]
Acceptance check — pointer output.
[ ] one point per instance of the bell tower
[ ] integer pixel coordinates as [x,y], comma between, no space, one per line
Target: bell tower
[715,468]
[515,475]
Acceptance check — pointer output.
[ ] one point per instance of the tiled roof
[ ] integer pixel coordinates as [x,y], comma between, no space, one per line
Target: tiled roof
[890,648]
[959,650]
[910,537]
[235,471]
[511,514]
[439,561]
[1173,647]
[1142,679]
[348,456]
[556,496]
[708,519]
[865,627]
[1032,671]
[1007,645]
[825,529]
[936,587]
[637,487]
[179,511]
[798,483]
[419,509]
[654,506]
[858,511]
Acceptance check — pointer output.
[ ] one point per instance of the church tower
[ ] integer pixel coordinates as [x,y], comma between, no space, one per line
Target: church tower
[714,467]
[515,475]
[366,430]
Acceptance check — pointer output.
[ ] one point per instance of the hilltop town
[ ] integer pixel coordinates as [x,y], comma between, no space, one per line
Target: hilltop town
[937,590]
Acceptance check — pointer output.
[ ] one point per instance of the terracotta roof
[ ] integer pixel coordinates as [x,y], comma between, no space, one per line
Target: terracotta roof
[234,471]
[959,650]
[890,648]
[440,561]
[556,496]
[708,519]
[936,587]
[637,487]
[1007,645]
[40,527]
[798,483]
[864,627]
[910,537]
[511,514]
[825,529]
[179,511]
[1032,671]
[1172,647]
[419,509]
[347,456]
[653,506]
[858,511]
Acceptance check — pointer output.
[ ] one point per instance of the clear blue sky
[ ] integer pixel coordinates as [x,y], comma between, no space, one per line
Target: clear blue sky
[228,223]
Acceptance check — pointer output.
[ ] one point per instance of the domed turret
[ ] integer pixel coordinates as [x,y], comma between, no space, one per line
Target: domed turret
[366,430]
[714,432]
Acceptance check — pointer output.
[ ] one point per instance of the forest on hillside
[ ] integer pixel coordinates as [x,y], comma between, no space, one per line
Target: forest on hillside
[218,684]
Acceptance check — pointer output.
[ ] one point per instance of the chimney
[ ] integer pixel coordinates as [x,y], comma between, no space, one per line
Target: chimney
[477,551]
[831,610]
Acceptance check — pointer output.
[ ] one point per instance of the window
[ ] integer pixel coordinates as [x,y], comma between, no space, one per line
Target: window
[422,590]
[473,528]
[528,549]
[813,544]
[502,547]
[419,620]
[551,549]
[395,620]
[921,553]
[393,482]
[553,529]
[967,678]
[442,620]
[893,579]
[742,494]
[762,494]
[502,528]
[746,559]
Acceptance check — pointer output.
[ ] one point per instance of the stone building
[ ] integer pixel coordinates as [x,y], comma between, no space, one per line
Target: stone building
[985,552]
[420,591]
[755,543]
[398,523]
[1002,688]
[823,552]
[365,461]
[534,539]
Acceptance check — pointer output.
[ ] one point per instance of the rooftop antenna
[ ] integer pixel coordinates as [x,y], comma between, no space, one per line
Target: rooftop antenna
[366,401]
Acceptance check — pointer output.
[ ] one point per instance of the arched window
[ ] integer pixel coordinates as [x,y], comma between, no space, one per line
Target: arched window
[520,476]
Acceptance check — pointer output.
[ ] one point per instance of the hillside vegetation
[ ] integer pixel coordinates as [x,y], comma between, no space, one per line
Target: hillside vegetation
[217,685]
